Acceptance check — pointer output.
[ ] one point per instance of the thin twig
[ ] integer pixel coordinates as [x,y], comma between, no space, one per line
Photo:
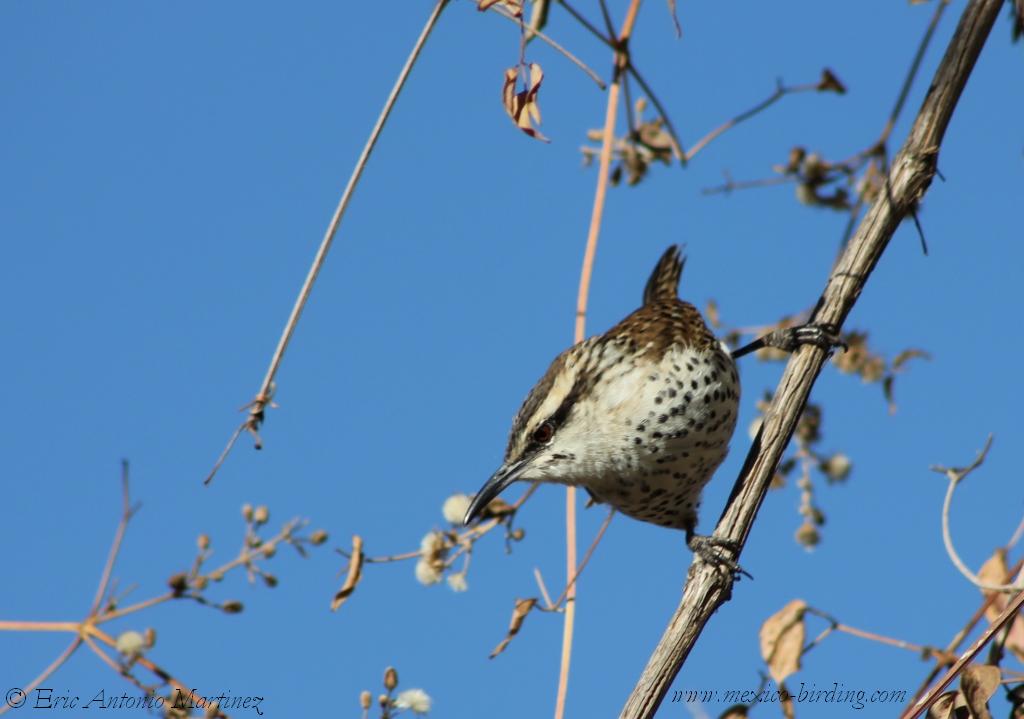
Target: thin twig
[609,26]
[836,625]
[586,23]
[960,636]
[925,702]
[677,144]
[556,605]
[115,548]
[543,589]
[586,557]
[731,184]
[1017,534]
[707,586]
[780,92]
[955,475]
[158,671]
[915,65]
[258,405]
[608,137]
[532,32]
[104,657]
[45,674]
[468,535]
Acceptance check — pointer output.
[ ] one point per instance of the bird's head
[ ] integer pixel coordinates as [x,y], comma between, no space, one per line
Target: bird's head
[548,434]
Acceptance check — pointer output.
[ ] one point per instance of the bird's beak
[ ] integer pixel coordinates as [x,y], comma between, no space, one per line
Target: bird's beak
[494,486]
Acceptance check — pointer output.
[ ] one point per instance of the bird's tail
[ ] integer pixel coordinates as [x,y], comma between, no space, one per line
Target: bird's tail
[664,281]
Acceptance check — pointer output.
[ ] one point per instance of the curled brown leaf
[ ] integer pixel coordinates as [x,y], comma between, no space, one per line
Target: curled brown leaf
[355,573]
[522,608]
[522,106]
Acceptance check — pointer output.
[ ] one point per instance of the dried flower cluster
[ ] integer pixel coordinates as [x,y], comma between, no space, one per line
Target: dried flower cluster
[390,704]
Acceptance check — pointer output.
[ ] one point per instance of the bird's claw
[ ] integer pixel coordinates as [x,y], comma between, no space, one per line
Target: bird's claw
[823,335]
[716,551]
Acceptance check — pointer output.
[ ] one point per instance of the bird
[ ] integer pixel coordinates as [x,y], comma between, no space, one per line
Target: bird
[640,416]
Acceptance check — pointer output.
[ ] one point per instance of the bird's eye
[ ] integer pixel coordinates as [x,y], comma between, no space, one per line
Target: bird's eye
[544,433]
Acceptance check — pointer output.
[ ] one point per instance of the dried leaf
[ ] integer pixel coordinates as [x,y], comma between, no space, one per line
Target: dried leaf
[782,640]
[978,683]
[522,106]
[890,400]
[355,573]
[996,571]
[908,354]
[515,7]
[539,17]
[830,83]
[523,607]
[944,706]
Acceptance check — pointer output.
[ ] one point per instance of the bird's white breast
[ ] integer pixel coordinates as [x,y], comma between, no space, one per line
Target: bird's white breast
[665,428]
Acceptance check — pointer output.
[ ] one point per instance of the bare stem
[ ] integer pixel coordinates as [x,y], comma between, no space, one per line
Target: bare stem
[115,547]
[911,173]
[607,140]
[529,32]
[780,92]
[45,674]
[925,702]
[955,475]
[962,634]
[915,65]
[585,23]
[259,404]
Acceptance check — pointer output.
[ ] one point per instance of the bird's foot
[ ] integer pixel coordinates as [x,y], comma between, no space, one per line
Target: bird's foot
[788,339]
[718,552]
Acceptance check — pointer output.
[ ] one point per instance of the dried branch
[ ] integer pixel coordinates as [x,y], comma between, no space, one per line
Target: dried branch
[781,91]
[611,112]
[925,702]
[257,408]
[961,635]
[554,606]
[911,173]
[126,514]
[529,32]
[955,475]
[189,586]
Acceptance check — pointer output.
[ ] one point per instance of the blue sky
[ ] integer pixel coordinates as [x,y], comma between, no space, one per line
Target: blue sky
[168,170]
